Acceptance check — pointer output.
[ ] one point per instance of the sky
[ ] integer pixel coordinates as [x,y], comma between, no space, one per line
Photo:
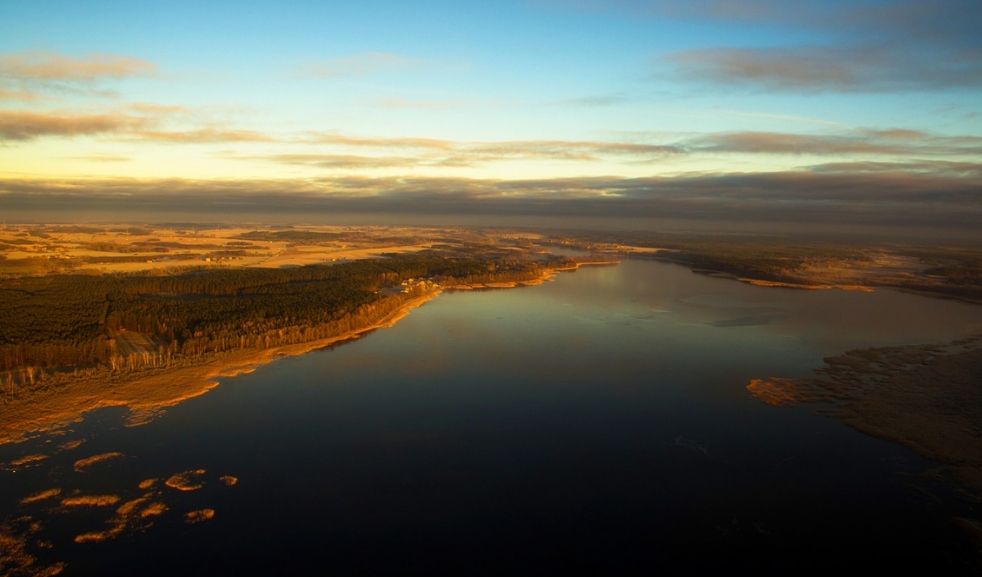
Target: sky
[706,114]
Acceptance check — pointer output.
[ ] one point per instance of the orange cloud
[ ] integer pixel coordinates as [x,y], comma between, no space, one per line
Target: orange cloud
[138,121]
[204,135]
[333,138]
[159,109]
[18,95]
[50,66]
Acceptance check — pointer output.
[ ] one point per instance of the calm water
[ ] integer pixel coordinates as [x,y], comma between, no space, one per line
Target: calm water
[599,422]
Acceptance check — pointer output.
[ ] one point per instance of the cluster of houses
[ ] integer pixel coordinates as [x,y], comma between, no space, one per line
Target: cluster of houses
[426,283]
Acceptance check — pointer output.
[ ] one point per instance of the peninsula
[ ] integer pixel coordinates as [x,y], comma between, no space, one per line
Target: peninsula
[147,337]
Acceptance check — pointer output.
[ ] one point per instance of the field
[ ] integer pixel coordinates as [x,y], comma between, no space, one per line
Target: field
[41,249]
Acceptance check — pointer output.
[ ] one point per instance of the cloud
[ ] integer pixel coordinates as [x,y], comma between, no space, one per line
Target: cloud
[950,23]
[564,150]
[945,196]
[938,168]
[203,136]
[362,64]
[50,66]
[138,121]
[357,141]
[729,10]
[899,143]
[436,152]
[23,95]
[346,161]
[158,109]
[865,46]
[858,68]
[944,20]
[20,126]
[33,75]
[880,145]
[894,142]
[899,133]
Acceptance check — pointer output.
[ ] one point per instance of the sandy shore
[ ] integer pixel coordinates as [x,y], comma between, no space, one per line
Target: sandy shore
[781,284]
[770,283]
[147,396]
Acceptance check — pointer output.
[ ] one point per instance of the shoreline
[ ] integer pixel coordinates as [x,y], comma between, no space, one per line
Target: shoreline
[547,276]
[779,284]
[798,286]
[924,397]
[148,396]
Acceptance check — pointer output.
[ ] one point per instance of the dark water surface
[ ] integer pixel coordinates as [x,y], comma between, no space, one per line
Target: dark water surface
[600,421]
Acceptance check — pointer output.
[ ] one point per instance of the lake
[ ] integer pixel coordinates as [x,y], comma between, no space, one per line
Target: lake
[599,422]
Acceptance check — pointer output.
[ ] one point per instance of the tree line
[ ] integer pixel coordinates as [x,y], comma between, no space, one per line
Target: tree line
[62,321]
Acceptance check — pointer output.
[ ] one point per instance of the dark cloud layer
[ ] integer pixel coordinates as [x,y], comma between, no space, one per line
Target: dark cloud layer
[876,196]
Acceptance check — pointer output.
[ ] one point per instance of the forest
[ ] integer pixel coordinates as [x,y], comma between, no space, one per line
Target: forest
[56,324]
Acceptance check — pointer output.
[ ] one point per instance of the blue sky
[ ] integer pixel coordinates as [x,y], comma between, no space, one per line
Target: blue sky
[627,106]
